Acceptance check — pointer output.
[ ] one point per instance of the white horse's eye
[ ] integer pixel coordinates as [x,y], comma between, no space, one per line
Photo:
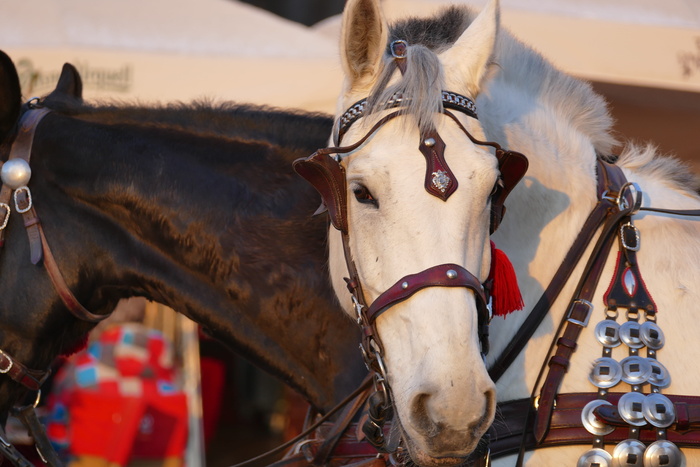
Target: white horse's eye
[363,195]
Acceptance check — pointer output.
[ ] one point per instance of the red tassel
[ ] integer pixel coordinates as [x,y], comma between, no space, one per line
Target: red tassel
[505,293]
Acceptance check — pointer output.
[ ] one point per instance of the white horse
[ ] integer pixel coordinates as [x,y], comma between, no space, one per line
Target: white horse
[443,397]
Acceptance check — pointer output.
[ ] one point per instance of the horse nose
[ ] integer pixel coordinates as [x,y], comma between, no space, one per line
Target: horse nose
[449,425]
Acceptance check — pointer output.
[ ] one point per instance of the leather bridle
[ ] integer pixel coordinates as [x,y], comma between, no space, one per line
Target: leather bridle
[16,192]
[324,170]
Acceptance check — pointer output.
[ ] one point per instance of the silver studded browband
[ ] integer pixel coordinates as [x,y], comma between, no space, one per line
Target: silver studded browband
[450,100]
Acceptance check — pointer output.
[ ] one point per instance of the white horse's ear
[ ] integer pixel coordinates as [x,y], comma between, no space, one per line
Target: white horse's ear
[363,41]
[467,61]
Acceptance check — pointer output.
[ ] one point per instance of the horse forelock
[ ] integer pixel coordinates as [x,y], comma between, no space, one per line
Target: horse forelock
[423,81]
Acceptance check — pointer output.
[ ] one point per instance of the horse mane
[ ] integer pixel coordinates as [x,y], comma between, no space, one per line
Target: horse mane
[520,67]
[208,118]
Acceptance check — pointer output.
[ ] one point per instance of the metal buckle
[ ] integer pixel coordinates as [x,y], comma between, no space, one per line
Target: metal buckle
[9,366]
[29,199]
[635,193]
[358,309]
[637,239]
[620,200]
[6,218]
[583,323]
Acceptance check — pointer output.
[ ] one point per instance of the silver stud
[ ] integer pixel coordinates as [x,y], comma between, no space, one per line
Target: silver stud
[404,285]
[451,274]
[430,142]
[15,173]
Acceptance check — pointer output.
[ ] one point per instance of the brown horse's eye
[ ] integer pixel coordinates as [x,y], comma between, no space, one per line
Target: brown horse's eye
[363,195]
[497,187]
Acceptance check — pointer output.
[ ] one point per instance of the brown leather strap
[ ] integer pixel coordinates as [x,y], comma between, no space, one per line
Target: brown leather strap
[340,427]
[30,379]
[596,218]
[59,283]
[580,308]
[27,415]
[444,275]
[566,427]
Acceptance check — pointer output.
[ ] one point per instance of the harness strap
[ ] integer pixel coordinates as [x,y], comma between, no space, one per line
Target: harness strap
[579,312]
[30,379]
[27,415]
[360,393]
[600,212]
[566,427]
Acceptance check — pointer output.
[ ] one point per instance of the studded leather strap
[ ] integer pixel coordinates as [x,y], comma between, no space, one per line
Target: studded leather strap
[444,275]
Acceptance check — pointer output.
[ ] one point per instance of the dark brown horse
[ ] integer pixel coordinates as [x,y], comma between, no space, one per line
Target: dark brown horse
[192,206]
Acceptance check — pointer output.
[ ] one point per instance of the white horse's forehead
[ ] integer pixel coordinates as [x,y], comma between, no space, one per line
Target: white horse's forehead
[393,152]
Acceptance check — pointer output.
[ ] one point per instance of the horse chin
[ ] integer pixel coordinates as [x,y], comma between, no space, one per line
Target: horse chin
[422,458]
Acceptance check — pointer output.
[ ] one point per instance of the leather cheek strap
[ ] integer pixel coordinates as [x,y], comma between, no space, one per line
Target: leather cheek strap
[444,275]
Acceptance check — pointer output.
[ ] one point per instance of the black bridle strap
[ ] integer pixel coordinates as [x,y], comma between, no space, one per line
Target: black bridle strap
[359,394]
[27,415]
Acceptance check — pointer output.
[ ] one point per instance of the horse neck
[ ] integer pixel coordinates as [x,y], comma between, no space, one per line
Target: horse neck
[224,247]
[545,211]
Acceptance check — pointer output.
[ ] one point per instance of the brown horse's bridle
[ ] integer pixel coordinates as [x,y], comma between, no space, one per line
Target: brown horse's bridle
[15,176]
[327,174]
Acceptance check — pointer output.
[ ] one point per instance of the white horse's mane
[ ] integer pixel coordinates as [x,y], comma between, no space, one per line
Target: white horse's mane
[520,67]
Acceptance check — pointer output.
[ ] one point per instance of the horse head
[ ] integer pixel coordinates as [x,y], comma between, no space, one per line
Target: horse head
[410,193]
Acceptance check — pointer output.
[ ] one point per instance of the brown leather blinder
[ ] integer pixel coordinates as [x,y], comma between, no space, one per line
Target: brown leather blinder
[328,178]
[513,167]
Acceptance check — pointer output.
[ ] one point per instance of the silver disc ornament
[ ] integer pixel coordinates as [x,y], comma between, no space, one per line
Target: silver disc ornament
[595,457]
[606,373]
[608,333]
[636,370]
[631,408]
[628,453]
[651,334]
[593,424]
[663,453]
[659,410]
[660,377]
[15,173]
[630,334]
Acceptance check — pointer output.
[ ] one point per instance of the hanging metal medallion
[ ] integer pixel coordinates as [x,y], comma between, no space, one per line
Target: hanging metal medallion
[651,335]
[608,333]
[595,458]
[659,410]
[593,424]
[660,377]
[631,408]
[663,453]
[630,334]
[635,370]
[629,453]
[606,373]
